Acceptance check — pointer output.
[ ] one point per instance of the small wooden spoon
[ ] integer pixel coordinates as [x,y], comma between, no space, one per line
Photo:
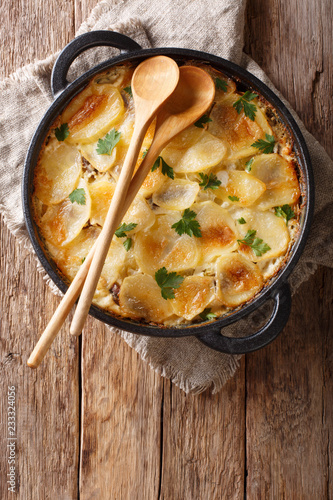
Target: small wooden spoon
[191,99]
[153,82]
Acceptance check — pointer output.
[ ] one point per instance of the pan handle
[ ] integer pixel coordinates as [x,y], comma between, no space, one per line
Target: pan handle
[275,324]
[82,43]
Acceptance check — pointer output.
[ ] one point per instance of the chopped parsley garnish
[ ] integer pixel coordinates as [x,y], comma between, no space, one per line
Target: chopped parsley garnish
[166,169]
[168,282]
[187,224]
[244,103]
[248,165]
[206,314]
[233,198]
[82,260]
[127,244]
[241,220]
[124,228]
[128,90]
[121,233]
[202,121]
[62,132]
[257,244]
[267,146]
[106,145]
[221,84]
[286,212]
[79,196]
[210,182]
[144,153]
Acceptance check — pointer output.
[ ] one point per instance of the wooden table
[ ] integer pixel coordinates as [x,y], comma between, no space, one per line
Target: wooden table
[95,421]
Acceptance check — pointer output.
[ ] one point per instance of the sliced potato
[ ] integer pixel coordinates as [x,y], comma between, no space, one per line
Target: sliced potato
[93,113]
[101,193]
[273,170]
[285,194]
[237,279]
[113,76]
[217,229]
[194,150]
[152,182]
[102,163]
[270,228]
[140,213]
[236,130]
[71,257]
[176,194]
[57,172]
[241,185]
[161,246]
[114,263]
[193,295]
[140,298]
[280,178]
[62,223]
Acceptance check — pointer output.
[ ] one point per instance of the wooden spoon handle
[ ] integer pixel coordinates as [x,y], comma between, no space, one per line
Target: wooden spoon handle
[75,287]
[110,226]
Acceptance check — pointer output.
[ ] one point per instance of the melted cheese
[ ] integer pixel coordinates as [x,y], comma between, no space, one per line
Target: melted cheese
[63,222]
[58,171]
[238,279]
[193,296]
[92,113]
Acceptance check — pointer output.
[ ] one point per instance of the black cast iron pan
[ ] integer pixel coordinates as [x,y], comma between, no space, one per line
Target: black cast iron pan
[277,290]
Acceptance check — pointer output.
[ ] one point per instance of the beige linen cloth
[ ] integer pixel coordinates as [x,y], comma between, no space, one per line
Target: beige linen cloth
[214,26]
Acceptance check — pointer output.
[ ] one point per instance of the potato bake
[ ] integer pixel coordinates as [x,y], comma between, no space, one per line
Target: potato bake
[212,224]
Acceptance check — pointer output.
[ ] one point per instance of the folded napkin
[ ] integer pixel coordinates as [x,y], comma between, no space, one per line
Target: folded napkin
[214,26]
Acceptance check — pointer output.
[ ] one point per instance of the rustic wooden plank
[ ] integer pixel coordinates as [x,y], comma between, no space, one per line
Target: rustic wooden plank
[290,384]
[47,404]
[204,442]
[121,415]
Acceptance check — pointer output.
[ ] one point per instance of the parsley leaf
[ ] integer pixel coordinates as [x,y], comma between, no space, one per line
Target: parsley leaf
[248,165]
[241,220]
[286,212]
[82,260]
[201,122]
[166,169]
[187,224]
[127,244]
[106,145]
[244,103]
[144,153]
[124,228]
[221,84]
[210,182]
[129,90]
[257,244]
[79,196]
[168,282]
[267,146]
[62,132]
[206,314]
[233,198]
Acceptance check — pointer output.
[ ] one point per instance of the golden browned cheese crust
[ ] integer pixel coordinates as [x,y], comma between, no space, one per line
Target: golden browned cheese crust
[218,213]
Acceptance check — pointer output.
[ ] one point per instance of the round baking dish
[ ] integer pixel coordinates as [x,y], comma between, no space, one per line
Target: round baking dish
[277,289]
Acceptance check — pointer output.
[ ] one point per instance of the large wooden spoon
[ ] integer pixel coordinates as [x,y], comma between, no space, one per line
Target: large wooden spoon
[153,82]
[191,99]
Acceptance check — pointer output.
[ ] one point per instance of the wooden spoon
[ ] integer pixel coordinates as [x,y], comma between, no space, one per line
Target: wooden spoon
[191,99]
[153,82]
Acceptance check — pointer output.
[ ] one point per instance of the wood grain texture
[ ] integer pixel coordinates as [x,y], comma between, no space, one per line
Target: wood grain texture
[268,433]
[47,401]
[289,410]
